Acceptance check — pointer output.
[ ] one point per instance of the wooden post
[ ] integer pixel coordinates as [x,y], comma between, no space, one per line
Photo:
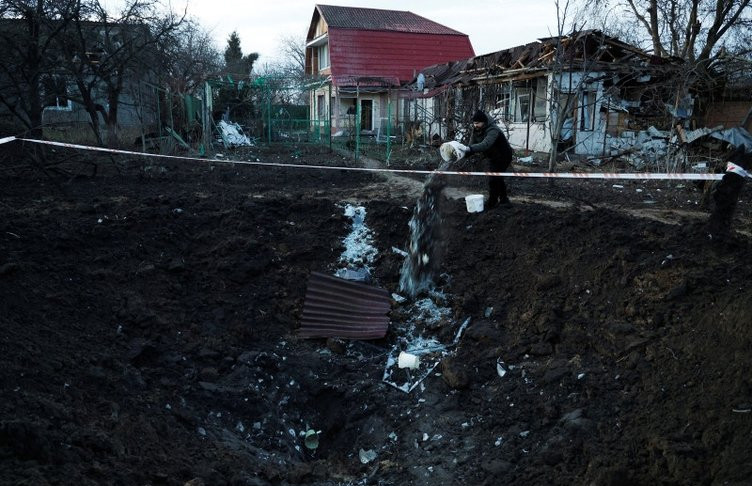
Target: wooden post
[357,119]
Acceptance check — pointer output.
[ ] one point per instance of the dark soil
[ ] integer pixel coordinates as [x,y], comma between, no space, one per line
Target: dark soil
[149,314]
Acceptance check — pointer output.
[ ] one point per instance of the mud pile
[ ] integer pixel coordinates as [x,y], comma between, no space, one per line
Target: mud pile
[149,319]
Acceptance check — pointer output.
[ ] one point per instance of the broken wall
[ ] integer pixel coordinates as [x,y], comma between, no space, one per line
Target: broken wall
[727,113]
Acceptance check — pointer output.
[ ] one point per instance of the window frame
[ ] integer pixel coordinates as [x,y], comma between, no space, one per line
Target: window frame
[521,94]
[587,110]
[324,61]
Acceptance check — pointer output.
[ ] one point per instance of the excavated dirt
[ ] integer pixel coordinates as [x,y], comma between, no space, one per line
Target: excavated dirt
[149,313]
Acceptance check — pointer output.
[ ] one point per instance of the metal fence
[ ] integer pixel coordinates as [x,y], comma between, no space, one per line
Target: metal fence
[225,114]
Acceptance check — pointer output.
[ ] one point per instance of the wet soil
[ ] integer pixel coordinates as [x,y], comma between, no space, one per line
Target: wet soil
[149,312]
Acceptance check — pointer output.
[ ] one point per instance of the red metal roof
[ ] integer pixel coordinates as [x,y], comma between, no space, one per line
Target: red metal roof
[383,45]
[336,307]
[379,53]
[378,19]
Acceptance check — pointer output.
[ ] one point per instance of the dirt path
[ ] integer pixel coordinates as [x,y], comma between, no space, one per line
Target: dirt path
[396,185]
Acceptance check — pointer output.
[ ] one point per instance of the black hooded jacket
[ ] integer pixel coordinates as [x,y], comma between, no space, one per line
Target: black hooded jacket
[492,142]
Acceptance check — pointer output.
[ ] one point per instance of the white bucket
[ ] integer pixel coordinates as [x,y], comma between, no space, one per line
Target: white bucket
[474,203]
[407,360]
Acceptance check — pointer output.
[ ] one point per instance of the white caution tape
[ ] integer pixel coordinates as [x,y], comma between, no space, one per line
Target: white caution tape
[6,140]
[547,175]
[732,167]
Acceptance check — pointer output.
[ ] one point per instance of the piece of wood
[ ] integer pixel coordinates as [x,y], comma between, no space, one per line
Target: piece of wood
[681,133]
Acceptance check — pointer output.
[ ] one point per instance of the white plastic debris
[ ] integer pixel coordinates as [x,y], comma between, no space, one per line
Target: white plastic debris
[408,360]
[430,350]
[354,274]
[399,252]
[232,134]
[500,370]
[367,456]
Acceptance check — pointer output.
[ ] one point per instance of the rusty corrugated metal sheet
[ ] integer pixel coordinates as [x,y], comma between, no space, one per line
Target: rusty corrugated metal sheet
[336,307]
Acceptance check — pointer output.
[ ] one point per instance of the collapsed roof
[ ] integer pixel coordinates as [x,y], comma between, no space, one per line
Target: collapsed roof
[590,49]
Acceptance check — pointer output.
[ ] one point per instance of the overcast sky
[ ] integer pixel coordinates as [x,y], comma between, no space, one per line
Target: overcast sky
[491,24]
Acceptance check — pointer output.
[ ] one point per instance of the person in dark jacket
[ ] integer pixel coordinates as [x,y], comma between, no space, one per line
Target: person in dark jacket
[488,139]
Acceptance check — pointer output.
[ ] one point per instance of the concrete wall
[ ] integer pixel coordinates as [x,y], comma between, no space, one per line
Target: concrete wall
[538,139]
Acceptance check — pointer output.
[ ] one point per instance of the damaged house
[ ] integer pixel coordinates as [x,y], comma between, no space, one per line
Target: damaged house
[585,93]
[87,84]
[364,56]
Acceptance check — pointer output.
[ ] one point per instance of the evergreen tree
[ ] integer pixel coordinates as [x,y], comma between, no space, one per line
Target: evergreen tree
[235,95]
[236,64]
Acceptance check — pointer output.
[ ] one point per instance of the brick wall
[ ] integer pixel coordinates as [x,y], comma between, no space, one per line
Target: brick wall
[727,113]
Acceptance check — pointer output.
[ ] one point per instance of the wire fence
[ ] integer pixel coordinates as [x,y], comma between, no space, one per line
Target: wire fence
[224,114]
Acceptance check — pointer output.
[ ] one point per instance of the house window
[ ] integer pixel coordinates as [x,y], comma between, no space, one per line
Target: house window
[366,115]
[324,57]
[522,105]
[55,91]
[565,105]
[438,108]
[321,105]
[502,102]
[539,108]
[407,109]
[587,110]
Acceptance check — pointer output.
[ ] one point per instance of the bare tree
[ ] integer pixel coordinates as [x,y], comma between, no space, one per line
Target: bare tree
[292,53]
[560,105]
[29,30]
[188,57]
[698,31]
[104,53]
[285,76]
